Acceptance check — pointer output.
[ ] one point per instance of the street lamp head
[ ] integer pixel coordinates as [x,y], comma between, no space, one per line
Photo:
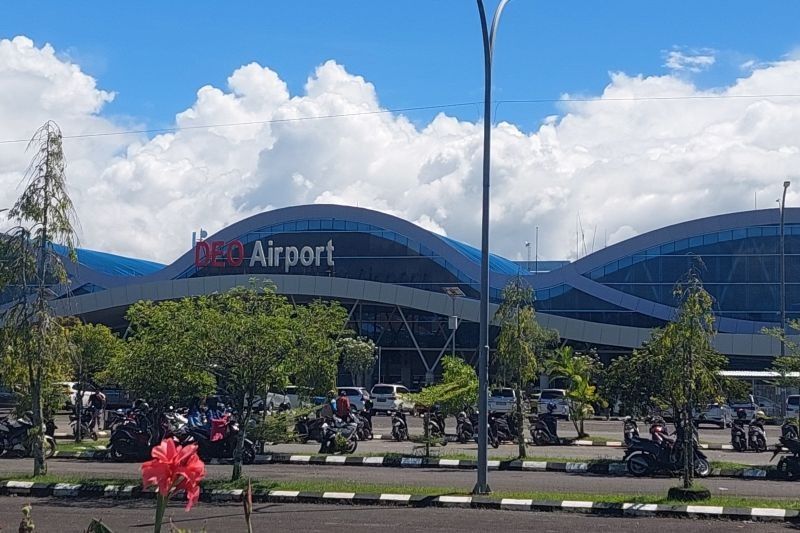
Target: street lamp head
[786,184]
[527,244]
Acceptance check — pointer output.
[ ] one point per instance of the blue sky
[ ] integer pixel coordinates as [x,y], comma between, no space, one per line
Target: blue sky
[155,55]
[621,168]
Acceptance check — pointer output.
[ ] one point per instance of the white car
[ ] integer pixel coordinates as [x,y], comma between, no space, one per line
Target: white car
[502,400]
[356,395]
[792,406]
[274,400]
[71,394]
[719,414]
[390,397]
[559,398]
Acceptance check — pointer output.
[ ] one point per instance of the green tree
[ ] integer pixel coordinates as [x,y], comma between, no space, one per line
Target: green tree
[580,370]
[164,361]
[317,327]
[787,366]
[248,335]
[520,345]
[43,216]
[93,346]
[358,357]
[683,355]
[457,390]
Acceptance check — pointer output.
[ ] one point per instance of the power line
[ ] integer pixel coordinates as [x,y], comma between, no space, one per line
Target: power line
[419,108]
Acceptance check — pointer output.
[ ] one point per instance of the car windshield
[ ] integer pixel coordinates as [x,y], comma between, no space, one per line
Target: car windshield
[382,389]
[794,400]
[503,393]
[350,392]
[551,395]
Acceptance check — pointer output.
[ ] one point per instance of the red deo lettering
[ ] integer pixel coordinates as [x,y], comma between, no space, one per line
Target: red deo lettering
[237,259]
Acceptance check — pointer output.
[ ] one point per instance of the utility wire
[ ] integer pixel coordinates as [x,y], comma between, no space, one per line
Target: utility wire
[419,108]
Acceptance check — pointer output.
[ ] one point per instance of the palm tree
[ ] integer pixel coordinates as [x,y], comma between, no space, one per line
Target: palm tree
[578,370]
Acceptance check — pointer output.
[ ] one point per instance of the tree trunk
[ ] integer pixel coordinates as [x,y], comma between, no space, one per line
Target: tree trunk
[426,422]
[39,464]
[79,408]
[575,419]
[244,418]
[520,424]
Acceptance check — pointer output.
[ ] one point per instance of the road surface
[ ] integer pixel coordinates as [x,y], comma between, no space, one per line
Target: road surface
[66,516]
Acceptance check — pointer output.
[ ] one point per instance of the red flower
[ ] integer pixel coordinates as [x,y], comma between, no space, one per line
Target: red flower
[174,467]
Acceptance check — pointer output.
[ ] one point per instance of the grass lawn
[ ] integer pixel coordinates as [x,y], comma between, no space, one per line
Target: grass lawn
[86,445]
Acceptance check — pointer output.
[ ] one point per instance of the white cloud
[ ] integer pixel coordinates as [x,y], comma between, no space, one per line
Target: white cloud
[689,60]
[627,166]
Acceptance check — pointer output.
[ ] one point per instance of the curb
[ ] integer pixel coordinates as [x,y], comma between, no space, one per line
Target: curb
[65,490]
[616,468]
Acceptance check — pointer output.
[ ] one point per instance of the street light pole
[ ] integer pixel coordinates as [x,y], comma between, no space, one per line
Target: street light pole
[528,265]
[783,271]
[482,486]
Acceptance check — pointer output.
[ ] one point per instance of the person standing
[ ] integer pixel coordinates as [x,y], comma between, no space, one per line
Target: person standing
[343,405]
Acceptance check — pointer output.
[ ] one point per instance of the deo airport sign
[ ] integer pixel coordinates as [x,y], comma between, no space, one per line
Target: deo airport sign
[220,254]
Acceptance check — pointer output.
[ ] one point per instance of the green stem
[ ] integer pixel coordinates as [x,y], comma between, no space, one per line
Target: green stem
[161,506]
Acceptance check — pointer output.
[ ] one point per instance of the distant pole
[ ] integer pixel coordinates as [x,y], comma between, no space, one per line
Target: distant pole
[536,267]
[783,271]
[528,247]
[482,486]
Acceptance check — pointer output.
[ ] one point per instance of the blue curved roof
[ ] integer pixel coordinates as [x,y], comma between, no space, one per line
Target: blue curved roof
[580,281]
[112,265]
[497,263]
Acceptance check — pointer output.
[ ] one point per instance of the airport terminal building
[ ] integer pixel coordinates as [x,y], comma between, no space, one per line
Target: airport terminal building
[391,275]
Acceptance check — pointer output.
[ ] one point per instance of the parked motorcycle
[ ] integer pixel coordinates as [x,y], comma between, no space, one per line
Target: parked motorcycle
[738,436]
[399,426]
[465,427]
[15,439]
[137,435]
[500,430]
[363,424]
[218,441]
[757,435]
[644,457]
[789,429]
[630,430]
[342,438]
[544,430]
[308,428]
[790,464]
[87,424]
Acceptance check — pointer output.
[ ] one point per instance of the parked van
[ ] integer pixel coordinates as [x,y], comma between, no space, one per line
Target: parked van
[559,398]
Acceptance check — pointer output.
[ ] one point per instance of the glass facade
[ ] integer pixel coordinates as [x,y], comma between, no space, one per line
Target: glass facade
[362,251]
[739,268]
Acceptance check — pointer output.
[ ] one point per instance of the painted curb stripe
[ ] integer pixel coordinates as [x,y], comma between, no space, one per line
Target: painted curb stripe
[455,499]
[373,460]
[703,509]
[395,497]
[299,458]
[624,509]
[335,459]
[771,513]
[338,495]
